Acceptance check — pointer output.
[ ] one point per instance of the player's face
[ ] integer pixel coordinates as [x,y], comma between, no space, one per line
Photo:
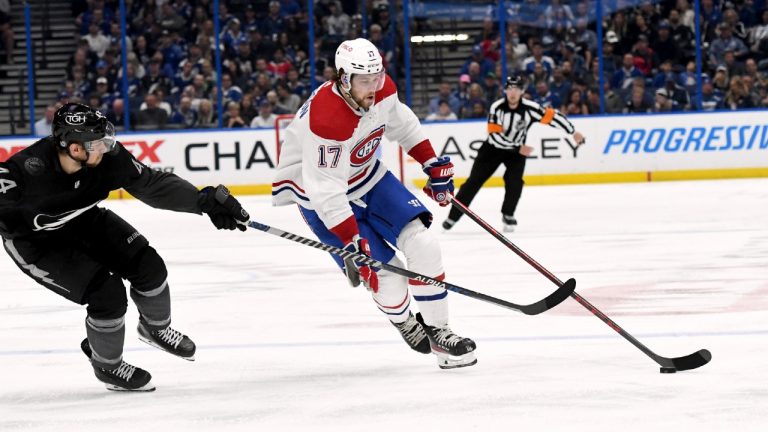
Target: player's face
[94,159]
[364,88]
[79,153]
[105,144]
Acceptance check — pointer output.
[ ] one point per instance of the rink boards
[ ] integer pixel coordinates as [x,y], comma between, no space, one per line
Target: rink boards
[618,149]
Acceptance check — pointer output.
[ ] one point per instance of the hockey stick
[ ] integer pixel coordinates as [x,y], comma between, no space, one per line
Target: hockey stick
[540,306]
[668,365]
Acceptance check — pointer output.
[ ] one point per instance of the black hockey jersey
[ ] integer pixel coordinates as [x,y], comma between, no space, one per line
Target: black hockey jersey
[37,197]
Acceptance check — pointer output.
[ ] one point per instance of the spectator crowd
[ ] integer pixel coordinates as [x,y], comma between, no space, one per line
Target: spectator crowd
[171,73]
[648,58]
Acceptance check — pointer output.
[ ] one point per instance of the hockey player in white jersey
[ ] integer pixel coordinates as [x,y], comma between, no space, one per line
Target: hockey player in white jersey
[328,165]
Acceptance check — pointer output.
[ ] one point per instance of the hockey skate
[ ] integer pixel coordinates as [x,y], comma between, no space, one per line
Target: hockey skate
[413,334]
[509,223]
[125,377]
[169,340]
[448,224]
[452,350]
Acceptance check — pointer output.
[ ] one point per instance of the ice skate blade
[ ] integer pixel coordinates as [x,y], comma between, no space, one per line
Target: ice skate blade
[148,387]
[152,343]
[445,361]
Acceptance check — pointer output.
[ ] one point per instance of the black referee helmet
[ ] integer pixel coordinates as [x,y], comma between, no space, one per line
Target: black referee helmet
[515,80]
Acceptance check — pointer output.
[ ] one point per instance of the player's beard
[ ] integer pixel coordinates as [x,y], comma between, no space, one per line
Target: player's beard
[365,102]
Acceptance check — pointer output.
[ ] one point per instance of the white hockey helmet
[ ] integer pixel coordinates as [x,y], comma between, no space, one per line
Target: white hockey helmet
[358,56]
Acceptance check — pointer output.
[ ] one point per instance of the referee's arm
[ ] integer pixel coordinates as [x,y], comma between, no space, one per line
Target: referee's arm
[557,120]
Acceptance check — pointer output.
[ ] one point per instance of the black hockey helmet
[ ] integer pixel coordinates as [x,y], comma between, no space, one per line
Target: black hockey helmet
[75,122]
[515,80]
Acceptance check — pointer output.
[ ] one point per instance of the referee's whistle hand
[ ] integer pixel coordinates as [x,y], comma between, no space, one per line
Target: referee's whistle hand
[578,137]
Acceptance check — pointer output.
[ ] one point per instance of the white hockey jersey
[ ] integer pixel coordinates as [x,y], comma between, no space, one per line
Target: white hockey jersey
[328,157]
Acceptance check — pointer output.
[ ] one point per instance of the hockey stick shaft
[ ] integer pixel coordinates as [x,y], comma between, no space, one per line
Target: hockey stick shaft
[691,361]
[533,309]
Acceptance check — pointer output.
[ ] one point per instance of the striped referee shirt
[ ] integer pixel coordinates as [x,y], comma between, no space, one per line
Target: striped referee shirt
[508,128]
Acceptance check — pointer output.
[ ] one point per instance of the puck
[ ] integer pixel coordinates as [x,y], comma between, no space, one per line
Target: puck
[667,370]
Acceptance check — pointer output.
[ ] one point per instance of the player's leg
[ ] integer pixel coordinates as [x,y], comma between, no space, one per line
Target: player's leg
[422,252]
[66,270]
[399,218]
[486,162]
[513,189]
[392,298]
[128,254]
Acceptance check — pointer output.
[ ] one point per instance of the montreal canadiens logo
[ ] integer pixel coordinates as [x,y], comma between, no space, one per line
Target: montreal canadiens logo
[365,149]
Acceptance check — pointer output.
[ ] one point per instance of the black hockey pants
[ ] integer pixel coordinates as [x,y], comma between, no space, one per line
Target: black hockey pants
[86,261]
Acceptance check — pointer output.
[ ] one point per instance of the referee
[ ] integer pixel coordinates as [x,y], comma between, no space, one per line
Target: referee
[508,123]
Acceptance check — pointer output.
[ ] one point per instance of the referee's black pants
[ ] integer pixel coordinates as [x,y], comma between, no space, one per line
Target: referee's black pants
[487,161]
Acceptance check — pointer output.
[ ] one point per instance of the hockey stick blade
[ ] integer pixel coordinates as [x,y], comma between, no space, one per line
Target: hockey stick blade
[536,308]
[691,361]
[552,300]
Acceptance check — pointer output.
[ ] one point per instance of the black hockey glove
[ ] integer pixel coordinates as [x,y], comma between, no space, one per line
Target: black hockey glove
[223,209]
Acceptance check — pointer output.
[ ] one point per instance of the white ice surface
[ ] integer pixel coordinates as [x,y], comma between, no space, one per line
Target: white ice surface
[284,344]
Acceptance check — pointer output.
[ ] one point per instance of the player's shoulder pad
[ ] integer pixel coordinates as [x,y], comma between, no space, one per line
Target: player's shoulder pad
[122,160]
[118,153]
[330,117]
[33,160]
[388,90]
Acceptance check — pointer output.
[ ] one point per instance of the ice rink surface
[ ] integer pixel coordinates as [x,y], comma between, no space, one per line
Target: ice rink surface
[284,344]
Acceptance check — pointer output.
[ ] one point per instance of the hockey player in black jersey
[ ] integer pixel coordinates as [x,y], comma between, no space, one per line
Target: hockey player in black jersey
[54,231]
[508,122]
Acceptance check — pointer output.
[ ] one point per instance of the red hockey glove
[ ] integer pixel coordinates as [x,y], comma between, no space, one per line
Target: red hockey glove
[440,183]
[357,272]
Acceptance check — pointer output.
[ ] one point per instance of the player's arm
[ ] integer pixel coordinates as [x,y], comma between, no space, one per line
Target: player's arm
[168,191]
[403,125]
[405,128]
[157,189]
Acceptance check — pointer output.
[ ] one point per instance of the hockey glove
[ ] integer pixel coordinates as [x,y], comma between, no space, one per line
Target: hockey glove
[440,183]
[357,272]
[223,209]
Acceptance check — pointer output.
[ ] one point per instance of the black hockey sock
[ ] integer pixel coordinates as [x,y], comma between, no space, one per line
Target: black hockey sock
[154,306]
[106,338]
